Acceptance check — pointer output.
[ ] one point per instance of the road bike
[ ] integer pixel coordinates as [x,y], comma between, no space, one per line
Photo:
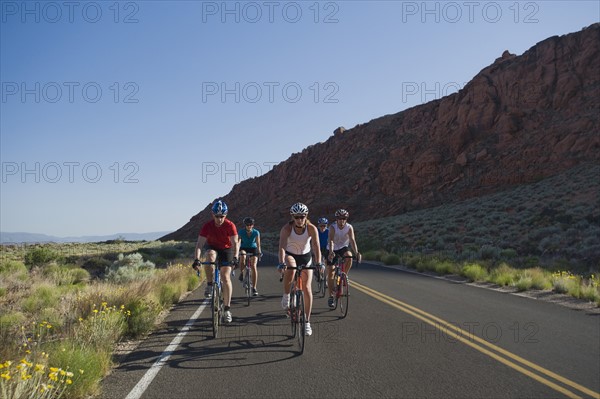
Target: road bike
[340,290]
[320,282]
[247,280]
[216,299]
[296,308]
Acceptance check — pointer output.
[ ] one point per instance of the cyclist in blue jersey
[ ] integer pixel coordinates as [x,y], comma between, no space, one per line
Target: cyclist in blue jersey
[322,225]
[249,240]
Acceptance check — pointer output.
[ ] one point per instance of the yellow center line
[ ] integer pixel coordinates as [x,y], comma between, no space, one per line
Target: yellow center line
[460,335]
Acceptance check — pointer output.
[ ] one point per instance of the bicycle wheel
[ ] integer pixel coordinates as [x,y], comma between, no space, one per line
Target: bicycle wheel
[323,285]
[216,308]
[301,320]
[344,295]
[247,285]
[336,290]
[292,313]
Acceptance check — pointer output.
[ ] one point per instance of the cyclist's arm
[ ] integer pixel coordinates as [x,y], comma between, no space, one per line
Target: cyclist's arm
[258,244]
[199,245]
[283,236]
[235,245]
[331,238]
[353,244]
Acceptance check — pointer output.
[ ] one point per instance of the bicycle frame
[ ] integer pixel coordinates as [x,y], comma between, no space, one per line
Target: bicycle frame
[248,277]
[296,310]
[217,306]
[340,285]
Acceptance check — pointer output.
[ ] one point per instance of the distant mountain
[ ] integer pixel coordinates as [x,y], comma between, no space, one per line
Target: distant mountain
[18,238]
[519,120]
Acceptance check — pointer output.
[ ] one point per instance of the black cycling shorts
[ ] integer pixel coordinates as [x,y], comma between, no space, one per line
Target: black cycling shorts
[339,253]
[253,251]
[305,259]
[224,256]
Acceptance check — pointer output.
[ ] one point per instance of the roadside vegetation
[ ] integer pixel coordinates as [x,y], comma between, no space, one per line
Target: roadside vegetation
[542,236]
[65,307]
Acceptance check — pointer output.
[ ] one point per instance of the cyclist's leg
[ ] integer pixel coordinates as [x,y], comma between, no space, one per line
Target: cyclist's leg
[289,274]
[307,276]
[242,263]
[253,262]
[209,270]
[347,262]
[226,257]
[330,275]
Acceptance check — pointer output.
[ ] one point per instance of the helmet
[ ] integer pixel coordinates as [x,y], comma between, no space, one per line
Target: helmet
[341,213]
[323,221]
[219,208]
[248,221]
[299,209]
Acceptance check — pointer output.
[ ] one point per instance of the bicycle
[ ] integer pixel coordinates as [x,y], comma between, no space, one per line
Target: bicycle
[247,281]
[341,286]
[296,308]
[216,300]
[320,282]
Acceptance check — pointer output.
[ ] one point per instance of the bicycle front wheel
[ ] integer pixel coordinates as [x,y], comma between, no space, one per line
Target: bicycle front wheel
[301,321]
[216,310]
[344,295]
[292,314]
[247,285]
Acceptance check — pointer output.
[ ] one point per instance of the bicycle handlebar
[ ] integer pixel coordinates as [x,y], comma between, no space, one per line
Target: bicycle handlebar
[301,267]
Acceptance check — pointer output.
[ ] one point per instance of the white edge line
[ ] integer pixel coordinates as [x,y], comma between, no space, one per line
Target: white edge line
[147,379]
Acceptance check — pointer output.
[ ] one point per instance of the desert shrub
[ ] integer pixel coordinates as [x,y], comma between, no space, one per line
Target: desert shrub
[41,297]
[13,267]
[489,252]
[40,256]
[391,259]
[143,313]
[444,266]
[129,268]
[474,272]
[503,275]
[66,275]
[168,253]
[169,294]
[508,253]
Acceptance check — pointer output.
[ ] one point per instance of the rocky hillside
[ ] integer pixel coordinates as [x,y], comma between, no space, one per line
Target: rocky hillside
[520,119]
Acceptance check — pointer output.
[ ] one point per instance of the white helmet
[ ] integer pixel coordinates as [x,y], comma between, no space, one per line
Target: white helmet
[299,209]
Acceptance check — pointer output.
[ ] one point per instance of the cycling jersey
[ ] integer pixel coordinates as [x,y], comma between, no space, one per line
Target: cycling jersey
[341,238]
[298,244]
[249,242]
[323,238]
[218,237]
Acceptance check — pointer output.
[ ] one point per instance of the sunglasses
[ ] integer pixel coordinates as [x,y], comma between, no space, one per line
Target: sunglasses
[299,216]
[342,218]
[219,216]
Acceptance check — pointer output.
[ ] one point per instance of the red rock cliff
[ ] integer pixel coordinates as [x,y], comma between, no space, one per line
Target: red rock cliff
[520,119]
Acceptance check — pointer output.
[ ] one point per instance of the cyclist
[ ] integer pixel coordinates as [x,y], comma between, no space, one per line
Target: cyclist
[322,224]
[249,240]
[296,240]
[219,239]
[341,236]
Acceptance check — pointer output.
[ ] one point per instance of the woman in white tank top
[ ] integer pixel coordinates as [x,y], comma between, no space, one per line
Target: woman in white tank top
[296,240]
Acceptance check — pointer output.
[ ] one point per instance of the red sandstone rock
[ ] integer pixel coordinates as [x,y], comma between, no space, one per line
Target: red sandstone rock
[519,119]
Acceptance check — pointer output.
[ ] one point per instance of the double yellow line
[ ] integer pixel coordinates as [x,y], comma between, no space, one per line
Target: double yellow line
[505,357]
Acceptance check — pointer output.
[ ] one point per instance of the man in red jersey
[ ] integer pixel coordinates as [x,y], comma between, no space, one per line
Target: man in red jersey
[219,239]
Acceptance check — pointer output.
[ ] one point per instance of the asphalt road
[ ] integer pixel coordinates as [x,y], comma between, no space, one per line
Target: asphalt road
[406,336]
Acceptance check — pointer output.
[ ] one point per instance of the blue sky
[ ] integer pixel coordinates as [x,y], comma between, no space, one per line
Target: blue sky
[132,116]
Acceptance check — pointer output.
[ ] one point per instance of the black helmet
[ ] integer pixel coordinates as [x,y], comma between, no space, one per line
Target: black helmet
[248,221]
